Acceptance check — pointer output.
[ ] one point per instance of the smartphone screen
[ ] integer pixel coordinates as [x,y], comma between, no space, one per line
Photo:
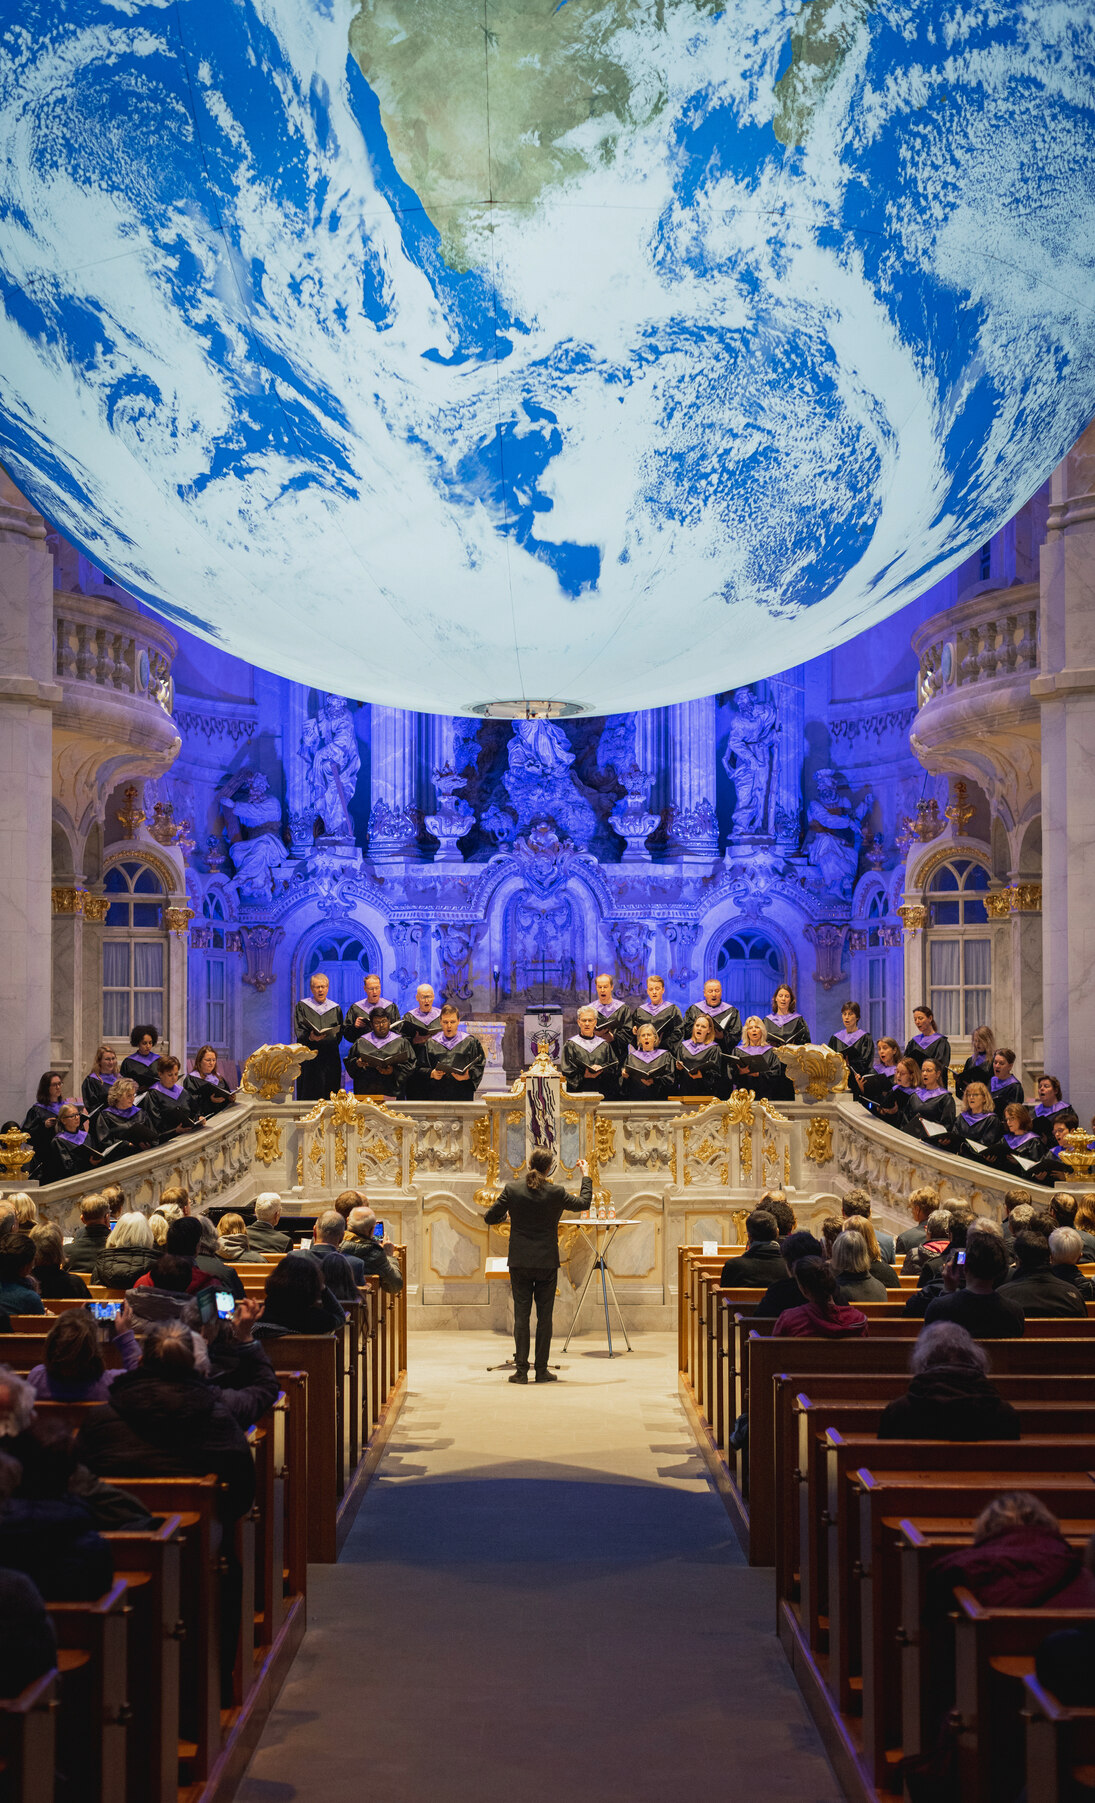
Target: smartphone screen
[226,1304]
[105,1311]
[206,1300]
[959,1258]
[378,1231]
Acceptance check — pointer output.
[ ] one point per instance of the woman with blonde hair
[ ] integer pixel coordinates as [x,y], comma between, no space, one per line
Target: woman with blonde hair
[129,1253]
[123,1126]
[978,1128]
[95,1087]
[883,1273]
[851,1266]
[978,1066]
[232,1230]
[157,1226]
[753,1064]
[26,1211]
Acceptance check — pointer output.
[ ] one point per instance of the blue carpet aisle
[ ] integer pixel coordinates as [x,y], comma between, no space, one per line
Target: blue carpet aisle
[541,1600]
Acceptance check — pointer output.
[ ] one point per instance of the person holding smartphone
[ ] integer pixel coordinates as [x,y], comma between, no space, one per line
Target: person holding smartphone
[74,1369]
[534,1207]
[373,1248]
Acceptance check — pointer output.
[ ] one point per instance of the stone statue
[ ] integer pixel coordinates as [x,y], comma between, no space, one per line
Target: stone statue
[540,748]
[254,858]
[328,746]
[632,941]
[541,784]
[833,834]
[749,759]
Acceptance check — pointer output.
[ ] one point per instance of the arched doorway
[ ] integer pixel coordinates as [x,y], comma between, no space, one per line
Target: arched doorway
[749,966]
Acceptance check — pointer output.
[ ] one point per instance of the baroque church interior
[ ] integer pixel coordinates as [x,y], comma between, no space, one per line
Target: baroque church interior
[740,1039]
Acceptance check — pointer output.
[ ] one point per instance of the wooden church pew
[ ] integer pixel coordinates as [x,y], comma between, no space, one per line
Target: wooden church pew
[1060,1744]
[28,1742]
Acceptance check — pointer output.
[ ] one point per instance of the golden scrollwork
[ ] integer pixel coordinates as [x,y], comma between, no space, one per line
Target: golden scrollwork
[344,1108]
[1076,1153]
[300,1167]
[570,1118]
[317,1152]
[771,1162]
[515,1117]
[267,1140]
[177,920]
[745,1152]
[1017,898]
[340,1154]
[480,1139]
[914,918]
[786,1167]
[739,1113]
[96,908]
[271,1071]
[737,1215]
[68,900]
[378,1150]
[16,1152]
[488,1193]
[819,1139]
[604,1137]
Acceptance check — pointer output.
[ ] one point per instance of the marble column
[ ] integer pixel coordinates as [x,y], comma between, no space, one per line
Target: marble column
[788,693]
[297,800]
[393,823]
[693,824]
[27,695]
[1065,688]
[652,754]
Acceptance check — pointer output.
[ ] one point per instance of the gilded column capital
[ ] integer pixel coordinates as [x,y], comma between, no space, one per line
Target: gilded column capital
[68,900]
[177,920]
[914,918]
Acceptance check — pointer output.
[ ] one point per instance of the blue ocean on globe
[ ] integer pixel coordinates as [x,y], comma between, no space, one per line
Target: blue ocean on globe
[609,352]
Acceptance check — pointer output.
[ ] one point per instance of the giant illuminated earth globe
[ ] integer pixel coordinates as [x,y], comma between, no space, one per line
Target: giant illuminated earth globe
[608,352]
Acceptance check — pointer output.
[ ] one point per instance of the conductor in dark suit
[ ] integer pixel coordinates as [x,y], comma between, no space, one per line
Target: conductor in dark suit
[535,1206]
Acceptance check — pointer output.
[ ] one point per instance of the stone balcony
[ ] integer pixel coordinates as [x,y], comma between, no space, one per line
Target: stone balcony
[114,720]
[976,716]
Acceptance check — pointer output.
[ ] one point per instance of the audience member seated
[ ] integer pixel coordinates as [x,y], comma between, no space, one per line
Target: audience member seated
[184,1239]
[1065,1666]
[238,1365]
[74,1369]
[174,1202]
[820,1311]
[883,1273]
[53,1281]
[157,1224]
[959,1216]
[372,1252]
[8,1222]
[297,1299]
[858,1202]
[124,1126]
[851,1266]
[1066,1249]
[950,1397]
[164,1295]
[26,1211]
[70,1152]
[974,1293]
[49,1540]
[19,1294]
[343,1273]
[346,1200]
[140,1064]
[761,1264]
[209,1092]
[921,1207]
[785,1293]
[92,1234]
[28,1646]
[232,1238]
[128,1255]
[1019,1560]
[774,1202]
[1077,1212]
[208,1258]
[1038,1291]
[264,1235]
[1013,1199]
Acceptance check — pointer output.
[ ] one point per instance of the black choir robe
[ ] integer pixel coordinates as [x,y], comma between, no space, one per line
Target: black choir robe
[464,1053]
[322,1032]
[96,1089]
[725,1023]
[857,1053]
[170,1110]
[935,1107]
[39,1126]
[974,1130]
[756,1068]
[418,1029]
[208,1095]
[140,1069]
[1005,1093]
[380,1067]
[792,1031]
[70,1155]
[589,1065]
[930,1045]
[667,1022]
[893,1106]
[118,1132]
[1043,1120]
[975,1070]
[1051,1167]
[357,1020]
[876,1085]
[1020,1153]
[614,1023]
[701,1070]
[647,1078]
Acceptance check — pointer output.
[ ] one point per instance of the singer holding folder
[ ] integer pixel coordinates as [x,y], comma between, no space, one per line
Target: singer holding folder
[534,1207]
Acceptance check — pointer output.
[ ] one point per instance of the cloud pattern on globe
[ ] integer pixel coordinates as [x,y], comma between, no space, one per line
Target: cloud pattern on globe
[615,351]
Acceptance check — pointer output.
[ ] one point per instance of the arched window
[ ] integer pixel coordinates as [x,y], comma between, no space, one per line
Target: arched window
[209,994]
[345,959]
[134,950]
[749,967]
[876,969]
[959,947]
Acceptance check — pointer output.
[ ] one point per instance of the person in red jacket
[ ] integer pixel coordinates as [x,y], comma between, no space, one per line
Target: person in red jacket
[820,1313]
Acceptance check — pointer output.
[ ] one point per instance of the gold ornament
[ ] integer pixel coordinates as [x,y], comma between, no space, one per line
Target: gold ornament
[740,1111]
[267,1140]
[480,1139]
[131,816]
[16,1152]
[177,920]
[819,1139]
[914,918]
[271,1071]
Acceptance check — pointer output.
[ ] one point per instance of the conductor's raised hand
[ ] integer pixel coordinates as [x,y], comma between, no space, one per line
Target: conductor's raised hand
[583,1166]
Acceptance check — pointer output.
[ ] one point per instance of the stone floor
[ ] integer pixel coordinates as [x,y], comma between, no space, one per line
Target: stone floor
[541,1600]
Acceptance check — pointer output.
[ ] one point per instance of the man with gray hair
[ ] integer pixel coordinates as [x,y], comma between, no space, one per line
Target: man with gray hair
[372,1252]
[264,1236]
[1065,1251]
[858,1202]
[343,1274]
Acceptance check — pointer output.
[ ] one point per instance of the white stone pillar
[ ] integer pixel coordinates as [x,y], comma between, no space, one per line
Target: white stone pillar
[1065,687]
[298,804]
[788,693]
[651,754]
[693,823]
[393,826]
[27,695]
